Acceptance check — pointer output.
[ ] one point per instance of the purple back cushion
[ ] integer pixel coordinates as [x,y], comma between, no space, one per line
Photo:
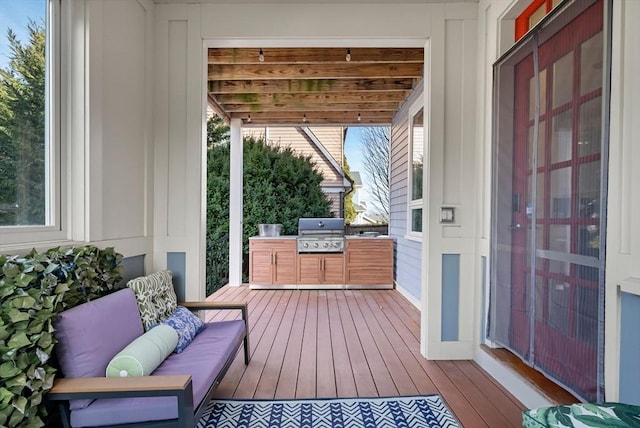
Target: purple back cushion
[90,334]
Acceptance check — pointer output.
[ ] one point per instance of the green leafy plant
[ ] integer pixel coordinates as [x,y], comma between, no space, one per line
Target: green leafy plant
[279,187]
[33,290]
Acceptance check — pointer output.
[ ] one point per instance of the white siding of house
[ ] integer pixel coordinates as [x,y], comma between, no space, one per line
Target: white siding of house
[408,252]
[292,138]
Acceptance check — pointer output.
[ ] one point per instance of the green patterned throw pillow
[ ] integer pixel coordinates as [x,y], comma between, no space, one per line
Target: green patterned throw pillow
[583,415]
[155,297]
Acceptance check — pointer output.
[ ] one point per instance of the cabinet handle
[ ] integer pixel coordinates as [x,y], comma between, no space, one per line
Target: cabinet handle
[272,258]
[275,259]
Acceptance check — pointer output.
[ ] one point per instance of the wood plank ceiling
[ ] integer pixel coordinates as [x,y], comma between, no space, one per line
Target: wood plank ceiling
[312,86]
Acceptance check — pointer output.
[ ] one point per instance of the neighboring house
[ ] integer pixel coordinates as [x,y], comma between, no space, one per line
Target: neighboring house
[325,145]
[359,204]
[473,253]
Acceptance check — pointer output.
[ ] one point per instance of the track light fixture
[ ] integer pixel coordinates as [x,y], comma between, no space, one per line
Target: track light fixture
[348,57]
[249,119]
[359,117]
[304,118]
[261,56]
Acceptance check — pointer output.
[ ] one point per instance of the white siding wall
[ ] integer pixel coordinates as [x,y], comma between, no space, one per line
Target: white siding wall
[408,252]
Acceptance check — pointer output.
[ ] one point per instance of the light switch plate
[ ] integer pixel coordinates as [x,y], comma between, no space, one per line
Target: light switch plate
[447,214]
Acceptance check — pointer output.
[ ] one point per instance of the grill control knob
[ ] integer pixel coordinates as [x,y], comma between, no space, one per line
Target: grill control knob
[315,244]
[326,244]
[306,245]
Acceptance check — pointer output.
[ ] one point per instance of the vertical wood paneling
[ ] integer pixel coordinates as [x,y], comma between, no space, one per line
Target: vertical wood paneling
[122,117]
[454,63]
[177,126]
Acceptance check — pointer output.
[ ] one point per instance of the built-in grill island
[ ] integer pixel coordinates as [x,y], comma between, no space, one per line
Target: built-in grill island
[320,256]
[320,235]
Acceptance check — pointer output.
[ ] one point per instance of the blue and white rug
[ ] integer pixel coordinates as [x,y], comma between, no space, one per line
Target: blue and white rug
[393,412]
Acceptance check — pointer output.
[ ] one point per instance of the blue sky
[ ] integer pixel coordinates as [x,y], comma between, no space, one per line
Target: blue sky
[353,152]
[15,14]
[353,148]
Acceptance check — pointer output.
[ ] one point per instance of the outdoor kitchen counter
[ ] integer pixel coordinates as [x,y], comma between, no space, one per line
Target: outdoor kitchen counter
[274,263]
[274,237]
[368,237]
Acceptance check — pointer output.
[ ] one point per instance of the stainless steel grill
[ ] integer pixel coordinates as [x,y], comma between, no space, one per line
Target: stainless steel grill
[320,235]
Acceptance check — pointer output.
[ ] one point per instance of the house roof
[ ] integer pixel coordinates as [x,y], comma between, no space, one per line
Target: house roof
[312,86]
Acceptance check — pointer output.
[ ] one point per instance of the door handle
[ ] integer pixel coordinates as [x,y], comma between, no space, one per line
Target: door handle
[515,226]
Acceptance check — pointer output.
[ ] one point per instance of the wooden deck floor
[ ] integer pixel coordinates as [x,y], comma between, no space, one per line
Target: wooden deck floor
[352,343]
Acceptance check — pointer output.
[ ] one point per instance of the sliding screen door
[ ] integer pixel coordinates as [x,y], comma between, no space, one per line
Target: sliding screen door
[548,198]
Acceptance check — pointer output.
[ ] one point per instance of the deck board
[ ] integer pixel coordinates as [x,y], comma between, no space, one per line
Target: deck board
[352,343]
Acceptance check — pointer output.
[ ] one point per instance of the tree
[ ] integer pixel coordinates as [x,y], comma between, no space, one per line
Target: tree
[349,207]
[22,130]
[279,187]
[375,142]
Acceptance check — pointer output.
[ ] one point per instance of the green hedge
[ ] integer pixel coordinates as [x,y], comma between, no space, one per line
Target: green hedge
[33,290]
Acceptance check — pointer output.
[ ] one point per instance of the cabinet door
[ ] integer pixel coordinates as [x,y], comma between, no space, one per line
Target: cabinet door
[333,269]
[309,269]
[369,261]
[284,266]
[260,267]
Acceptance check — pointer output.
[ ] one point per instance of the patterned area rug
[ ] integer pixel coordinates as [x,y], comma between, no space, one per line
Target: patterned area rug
[394,412]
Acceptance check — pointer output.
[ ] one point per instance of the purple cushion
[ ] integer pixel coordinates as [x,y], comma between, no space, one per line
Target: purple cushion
[202,359]
[90,334]
[186,324]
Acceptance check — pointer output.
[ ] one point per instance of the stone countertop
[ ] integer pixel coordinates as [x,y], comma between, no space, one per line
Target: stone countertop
[346,236]
[368,237]
[275,237]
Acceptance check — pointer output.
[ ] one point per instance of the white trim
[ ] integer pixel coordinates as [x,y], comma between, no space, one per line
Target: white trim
[417,42]
[630,285]
[417,105]
[332,189]
[410,297]
[314,139]
[511,381]
[235,204]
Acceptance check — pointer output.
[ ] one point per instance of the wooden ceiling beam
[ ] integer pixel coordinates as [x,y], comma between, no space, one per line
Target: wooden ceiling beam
[309,85]
[319,121]
[299,98]
[217,108]
[344,70]
[363,106]
[296,116]
[313,55]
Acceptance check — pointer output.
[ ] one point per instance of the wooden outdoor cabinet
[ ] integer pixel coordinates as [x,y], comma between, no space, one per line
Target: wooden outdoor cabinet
[272,261]
[369,261]
[320,269]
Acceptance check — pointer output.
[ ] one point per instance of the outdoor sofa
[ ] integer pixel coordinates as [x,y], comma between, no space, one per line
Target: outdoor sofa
[92,337]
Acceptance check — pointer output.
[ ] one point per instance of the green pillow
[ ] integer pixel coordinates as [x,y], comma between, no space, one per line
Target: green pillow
[142,356]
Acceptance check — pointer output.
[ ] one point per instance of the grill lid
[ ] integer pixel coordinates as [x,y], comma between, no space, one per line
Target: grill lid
[320,226]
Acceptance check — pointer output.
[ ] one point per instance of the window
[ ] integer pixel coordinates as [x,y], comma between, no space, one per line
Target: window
[29,143]
[416,165]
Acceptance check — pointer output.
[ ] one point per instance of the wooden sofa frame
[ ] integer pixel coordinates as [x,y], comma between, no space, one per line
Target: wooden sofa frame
[179,386]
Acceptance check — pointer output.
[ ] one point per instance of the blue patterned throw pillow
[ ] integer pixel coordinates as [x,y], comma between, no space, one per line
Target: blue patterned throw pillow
[186,324]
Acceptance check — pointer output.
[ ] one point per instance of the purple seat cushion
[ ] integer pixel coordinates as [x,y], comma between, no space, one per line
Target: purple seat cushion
[90,334]
[202,359]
